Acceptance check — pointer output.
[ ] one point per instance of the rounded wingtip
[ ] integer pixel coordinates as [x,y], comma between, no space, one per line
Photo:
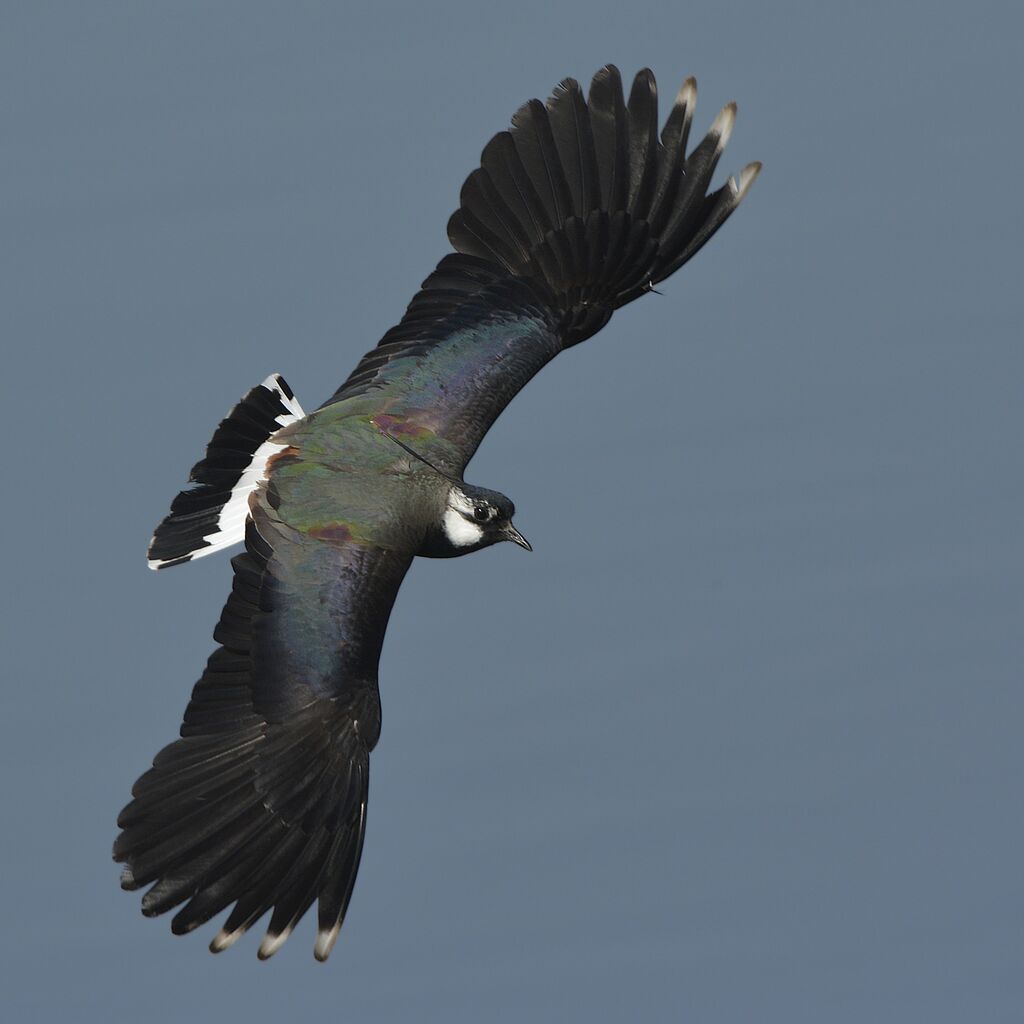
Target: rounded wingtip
[225,940]
[747,178]
[607,73]
[272,943]
[325,943]
[687,95]
[723,125]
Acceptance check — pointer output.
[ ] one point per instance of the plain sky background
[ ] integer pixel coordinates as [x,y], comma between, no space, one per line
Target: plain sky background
[741,740]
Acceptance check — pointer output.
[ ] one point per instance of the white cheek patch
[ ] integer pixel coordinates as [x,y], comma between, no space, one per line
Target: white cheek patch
[459,530]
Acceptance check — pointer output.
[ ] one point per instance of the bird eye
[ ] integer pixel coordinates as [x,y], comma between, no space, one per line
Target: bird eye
[481,513]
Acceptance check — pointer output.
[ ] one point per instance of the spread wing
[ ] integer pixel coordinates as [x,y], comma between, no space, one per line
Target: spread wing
[261,804]
[262,801]
[576,210]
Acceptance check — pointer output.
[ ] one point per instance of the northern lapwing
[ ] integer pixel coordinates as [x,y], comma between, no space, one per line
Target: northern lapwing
[580,207]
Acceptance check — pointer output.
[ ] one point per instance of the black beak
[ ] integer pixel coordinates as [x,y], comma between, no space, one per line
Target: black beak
[512,534]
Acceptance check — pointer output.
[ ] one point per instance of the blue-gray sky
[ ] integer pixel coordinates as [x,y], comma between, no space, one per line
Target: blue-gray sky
[741,740]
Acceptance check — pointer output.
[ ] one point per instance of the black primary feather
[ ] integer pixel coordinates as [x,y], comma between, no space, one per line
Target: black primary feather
[611,137]
[262,801]
[570,127]
[643,144]
[260,805]
[584,207]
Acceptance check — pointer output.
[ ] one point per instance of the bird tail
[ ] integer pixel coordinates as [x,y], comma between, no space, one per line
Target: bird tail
[585,199]
[211,515]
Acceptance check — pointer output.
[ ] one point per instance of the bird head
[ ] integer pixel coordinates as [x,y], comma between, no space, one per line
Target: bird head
[475,518]
[472,517]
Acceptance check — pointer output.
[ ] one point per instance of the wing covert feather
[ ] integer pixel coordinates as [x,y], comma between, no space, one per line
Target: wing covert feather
[577,209]
[262,801]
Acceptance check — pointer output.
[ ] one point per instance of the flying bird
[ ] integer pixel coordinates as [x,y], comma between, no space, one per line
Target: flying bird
[260,805]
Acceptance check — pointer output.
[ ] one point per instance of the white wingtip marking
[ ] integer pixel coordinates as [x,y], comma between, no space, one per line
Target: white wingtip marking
[747,177]
[272,943]
[225,940]
[325,942]
[723,126]
[687,95]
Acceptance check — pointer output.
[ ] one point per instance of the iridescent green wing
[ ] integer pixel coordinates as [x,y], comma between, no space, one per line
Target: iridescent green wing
[576,210]
[261,804]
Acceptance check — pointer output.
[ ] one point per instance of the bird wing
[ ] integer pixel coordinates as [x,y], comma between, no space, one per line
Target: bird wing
[580,207]
[262,801]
